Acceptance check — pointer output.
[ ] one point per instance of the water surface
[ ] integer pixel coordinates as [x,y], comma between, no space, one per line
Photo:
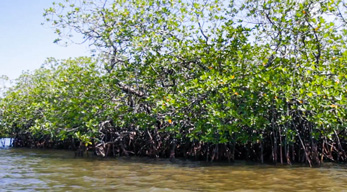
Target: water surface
[55,170]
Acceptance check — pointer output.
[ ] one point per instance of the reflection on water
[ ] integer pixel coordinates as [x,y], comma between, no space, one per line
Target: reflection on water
[35,170]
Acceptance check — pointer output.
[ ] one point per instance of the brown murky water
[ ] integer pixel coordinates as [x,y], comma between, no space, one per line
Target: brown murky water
[51,170]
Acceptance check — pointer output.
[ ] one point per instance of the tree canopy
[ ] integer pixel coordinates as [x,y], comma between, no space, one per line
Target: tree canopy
[257,80]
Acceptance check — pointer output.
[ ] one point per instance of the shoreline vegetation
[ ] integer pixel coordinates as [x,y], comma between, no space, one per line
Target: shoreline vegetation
[262,81]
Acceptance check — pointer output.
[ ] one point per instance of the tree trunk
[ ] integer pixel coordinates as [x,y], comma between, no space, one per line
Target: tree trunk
[280,145]
[261,152]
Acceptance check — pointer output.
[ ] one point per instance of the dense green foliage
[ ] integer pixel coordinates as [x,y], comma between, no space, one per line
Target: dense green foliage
[259,80]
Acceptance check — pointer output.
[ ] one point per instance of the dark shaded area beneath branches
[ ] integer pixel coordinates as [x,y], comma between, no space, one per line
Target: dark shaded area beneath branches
[274,148]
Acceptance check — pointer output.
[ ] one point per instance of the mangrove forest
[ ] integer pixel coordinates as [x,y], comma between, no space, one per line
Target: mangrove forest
[211,80]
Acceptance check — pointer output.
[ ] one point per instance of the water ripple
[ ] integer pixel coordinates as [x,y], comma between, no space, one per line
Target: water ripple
[53,170]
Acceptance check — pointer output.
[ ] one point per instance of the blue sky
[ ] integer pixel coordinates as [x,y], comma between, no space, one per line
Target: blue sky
[24,42]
